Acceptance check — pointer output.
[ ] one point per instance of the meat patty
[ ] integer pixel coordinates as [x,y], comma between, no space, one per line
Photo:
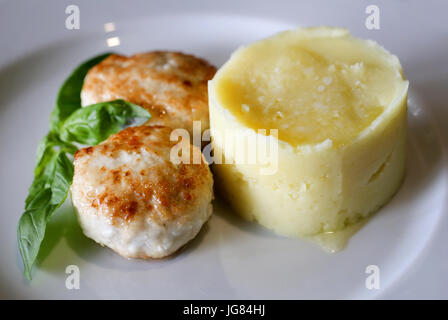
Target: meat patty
[172,86]
[131,197]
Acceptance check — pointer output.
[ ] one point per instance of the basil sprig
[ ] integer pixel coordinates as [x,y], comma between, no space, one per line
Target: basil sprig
[53,174]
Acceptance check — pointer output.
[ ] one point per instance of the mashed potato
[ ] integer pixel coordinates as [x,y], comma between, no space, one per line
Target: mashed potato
[339,104]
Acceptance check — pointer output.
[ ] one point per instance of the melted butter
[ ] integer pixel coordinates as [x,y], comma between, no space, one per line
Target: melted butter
[309,89]
[336,241]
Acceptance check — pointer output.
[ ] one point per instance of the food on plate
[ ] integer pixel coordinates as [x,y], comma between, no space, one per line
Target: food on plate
[172,86]
[154,207]
[130,197]
[339,104]
[330,107]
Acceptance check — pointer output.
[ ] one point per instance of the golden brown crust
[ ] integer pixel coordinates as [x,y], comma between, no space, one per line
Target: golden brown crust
[147,183]
[172,86]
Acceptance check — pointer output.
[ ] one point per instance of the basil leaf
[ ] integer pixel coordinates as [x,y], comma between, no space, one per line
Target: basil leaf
[48,191]
[93,124]
[69,96]
[31,230]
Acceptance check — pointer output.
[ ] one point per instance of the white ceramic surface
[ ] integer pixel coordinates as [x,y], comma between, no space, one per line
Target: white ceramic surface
[230,258]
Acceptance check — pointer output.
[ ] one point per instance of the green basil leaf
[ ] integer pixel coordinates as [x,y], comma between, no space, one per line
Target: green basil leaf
[48,191]
[31,230]
[93,124]
[69,96]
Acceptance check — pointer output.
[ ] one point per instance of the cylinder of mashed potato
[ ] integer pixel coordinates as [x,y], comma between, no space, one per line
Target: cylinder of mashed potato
[339,106]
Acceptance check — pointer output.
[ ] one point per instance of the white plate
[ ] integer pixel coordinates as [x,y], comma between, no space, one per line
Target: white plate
[230,258]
